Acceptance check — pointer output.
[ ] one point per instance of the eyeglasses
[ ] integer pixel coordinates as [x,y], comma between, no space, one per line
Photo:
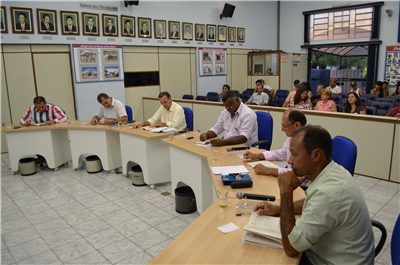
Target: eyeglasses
[284,127]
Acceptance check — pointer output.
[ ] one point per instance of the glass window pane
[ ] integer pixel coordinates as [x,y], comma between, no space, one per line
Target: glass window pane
[364,16]
[363,29]
[341,19]
[320,32]
[343,36]
[364,23]
[321,21]
[258,65]
[341,31]
[363,35]
[322,15]
[342,25]
[364,10]
[323,26]
[321,37]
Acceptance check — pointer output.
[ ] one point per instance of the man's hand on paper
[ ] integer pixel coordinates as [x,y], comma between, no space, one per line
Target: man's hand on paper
[217,142]
[265,208]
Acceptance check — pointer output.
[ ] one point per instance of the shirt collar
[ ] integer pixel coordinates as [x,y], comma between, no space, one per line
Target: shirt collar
[113,102]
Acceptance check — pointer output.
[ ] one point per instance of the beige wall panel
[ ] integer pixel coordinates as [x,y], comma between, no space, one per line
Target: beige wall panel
[239,72]
[1,48]
[395,173]
[5,110]
[175,74]
[150,106]
[192,50]
[206,115]
[300,71]
[20,81]
[240,51]
[286,74]
[16,48]
[174,50]
[146,49]
[53,79]
[50,48]
[140,62]
[229,66]
[193,73]
[133,98]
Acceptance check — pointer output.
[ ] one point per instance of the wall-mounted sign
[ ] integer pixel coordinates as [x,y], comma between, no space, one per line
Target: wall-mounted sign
[99,7]
[392,65]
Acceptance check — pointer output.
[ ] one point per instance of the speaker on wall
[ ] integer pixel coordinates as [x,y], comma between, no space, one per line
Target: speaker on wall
[227,11]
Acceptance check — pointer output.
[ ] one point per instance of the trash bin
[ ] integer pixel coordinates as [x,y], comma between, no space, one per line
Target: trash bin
[93,164]
[27,166]
[137,176]
[185,201]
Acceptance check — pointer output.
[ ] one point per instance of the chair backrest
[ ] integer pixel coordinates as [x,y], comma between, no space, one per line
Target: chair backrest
[213,98]
[201,98]
[344,95]
[344,152]
[371,110]
[250,89]
[389,100]
[280,97]
[395,243]
[187,96]
[364,101]
[397,98]
[344,101]
[244,96]
[337,99]
[236,91]
[382,107]
[248,92]
[339,108]
[265,127]
[212,94]
[129,112]
[189,118]
[371,98]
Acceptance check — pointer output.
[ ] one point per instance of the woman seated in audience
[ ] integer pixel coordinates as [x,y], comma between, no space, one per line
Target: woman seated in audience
[354,105]
[386,89]
[397,91]
[301,100]
[326,104]
[378,90]
[308,87]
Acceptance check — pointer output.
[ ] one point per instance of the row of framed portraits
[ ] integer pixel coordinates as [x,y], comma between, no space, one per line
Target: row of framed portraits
[22,22]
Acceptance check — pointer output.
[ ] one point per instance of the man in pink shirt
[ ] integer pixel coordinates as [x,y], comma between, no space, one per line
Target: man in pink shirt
[291,120]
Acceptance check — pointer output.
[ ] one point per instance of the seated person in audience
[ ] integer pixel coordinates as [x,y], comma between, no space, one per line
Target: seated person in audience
[385,88]
[291,95]
[301,100]
[395,112]
[397,91]
[225,88]
[377,90]
[334,226]
[237,121]
[326,104]
[317,97]
[308,87]
[270,89]
[259,98]
[336,90]
[355,89]
[169,114]
[112,110]
[291,120]
[354,104]
[295,84]
[43,112]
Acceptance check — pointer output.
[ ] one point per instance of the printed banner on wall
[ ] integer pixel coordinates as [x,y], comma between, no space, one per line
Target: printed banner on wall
[392,67]
[212,61]
[98,63]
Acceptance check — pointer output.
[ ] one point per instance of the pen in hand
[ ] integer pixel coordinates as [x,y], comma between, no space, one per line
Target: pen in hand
[205,135]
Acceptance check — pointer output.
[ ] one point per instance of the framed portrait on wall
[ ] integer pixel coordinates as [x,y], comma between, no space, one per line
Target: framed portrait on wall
[21,19]
[160,28]
[174,30]
[47,21]
[231,34]
[3,20]
[110,25]
[211,33]
[187,31]
[200,31]
[128,25]
[241,34]
[144,27]
[222,33]
[69,23]
[90,24]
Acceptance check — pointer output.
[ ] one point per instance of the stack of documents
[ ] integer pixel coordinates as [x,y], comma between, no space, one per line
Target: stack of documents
[264,163]
[159,129]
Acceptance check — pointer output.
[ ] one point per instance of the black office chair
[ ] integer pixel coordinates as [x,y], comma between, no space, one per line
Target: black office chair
[382,241]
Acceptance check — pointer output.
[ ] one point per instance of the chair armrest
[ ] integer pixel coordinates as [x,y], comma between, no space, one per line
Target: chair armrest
[383,237]
[262,142]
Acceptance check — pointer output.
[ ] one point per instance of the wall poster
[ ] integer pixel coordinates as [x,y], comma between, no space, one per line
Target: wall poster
[212,61]
[392,65]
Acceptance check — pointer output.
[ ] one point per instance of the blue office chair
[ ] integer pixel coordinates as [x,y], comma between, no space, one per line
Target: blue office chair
[364,100]
[201,98]
[212,94]
[244,97]
[382,107]
[236,91]
[337,99]
[265,126]
[213,98]
[129,112]
[189,118]
[339,108]
[344,101]
[187,96]
[397,98]
[371,98]
[395,243]
[280,97]
[344,95]
[389,100]
[382,241]
[248,92]
[344,152]
[370,110]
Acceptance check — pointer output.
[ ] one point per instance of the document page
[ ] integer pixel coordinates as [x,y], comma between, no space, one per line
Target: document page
[264,163]
[227,170]
[265,225]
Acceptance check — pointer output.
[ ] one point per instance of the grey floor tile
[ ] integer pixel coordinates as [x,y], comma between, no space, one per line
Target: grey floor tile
[75,188]
[141,208]
[43,187]
[69,208]
[15,225]
[385,187]
[164,187]
[30,200]
[395,201]
[73,250]
[148,194]
[6,258]
[62,237]
[47,257]
[80,217]
[94,258]
[117,217]
[68,181]
[374,207]
[390,211]
[20,236]
[60,201]
[132,227]
[367,179]
[377,197]
[104,238]
[157,249]
[20,187]
[386,257]
[148,238]
[141,258]
[116,194]
[93,201]
[105,208]
[103,187]
[35,208]
[22,194]
[189,217]
[127,201]
[11,215]
[364,184]
[120,250]
[28,249]
[173,227]
[123,182]
[136,189]
[171,210]
[42,217]
[53,194]
[84,194]
[162,201]
[386,221]
[8,206]
[90,227]
[51,226]
[157,217]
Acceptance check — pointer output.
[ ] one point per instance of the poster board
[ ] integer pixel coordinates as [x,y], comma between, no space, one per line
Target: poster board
[98,63]
[392,65]
[213,61]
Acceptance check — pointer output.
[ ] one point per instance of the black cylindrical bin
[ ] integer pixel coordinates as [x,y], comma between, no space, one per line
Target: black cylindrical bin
[27,166]
[137,176]
[93,164]
[185,201]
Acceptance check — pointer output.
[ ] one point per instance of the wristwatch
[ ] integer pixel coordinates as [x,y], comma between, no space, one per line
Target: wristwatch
[115,121]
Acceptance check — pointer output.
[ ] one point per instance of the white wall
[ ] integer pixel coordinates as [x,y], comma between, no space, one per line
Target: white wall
[292,26]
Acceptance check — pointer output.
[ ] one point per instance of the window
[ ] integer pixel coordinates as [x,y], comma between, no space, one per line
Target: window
[264,63]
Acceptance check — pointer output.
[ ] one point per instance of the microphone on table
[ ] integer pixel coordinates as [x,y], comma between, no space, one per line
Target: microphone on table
[240,195]
[229,149]
[180,132]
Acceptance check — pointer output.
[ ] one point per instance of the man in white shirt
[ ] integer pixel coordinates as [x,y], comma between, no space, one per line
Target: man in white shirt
[237,121]
[259,98]
[334,88]
[271,90]
[112,110]
[169,114]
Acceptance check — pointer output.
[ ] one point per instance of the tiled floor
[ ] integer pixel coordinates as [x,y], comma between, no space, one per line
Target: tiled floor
[71,217]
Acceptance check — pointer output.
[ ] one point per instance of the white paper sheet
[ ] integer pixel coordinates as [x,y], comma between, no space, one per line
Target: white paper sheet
[229,169]
[228,228]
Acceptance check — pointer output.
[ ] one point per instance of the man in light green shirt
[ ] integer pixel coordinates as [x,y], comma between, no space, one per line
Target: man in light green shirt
[169,114]
[334,226]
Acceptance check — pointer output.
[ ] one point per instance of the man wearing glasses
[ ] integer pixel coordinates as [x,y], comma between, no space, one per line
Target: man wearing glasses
[291,120]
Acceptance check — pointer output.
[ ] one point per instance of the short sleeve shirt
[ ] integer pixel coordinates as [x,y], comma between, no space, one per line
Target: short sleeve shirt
[116,111]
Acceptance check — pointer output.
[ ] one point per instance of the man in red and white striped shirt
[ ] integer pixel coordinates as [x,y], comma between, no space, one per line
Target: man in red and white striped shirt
[43,112]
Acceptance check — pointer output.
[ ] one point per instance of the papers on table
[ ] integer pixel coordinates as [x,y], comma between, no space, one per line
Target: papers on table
[206,142]
[264,163]
[228,228]
[147,128]
[37,124]
[159,129]
[227,170]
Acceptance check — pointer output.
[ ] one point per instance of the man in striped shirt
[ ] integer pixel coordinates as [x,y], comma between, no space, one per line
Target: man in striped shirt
[43,112]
